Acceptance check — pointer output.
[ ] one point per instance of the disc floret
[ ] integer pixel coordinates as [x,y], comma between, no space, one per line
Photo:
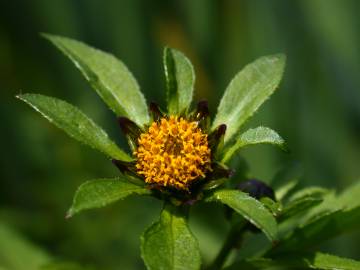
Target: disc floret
[173,152]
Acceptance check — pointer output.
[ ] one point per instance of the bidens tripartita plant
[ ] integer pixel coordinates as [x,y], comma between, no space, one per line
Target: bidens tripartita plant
[180,156]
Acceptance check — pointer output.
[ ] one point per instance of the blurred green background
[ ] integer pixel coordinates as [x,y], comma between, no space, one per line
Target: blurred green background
[316,109]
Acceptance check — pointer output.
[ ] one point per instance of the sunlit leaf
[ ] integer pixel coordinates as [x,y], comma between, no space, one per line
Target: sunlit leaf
[180,78]
[259,135]
[101,192]
[250,208]
[169,244]
[247,91]
[74,123]
[108,76]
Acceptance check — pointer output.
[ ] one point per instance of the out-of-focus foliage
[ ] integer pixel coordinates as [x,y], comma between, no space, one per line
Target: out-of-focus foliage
[18,253]
[317,110]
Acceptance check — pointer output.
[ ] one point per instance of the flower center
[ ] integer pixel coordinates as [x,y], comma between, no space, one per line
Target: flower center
[173,152]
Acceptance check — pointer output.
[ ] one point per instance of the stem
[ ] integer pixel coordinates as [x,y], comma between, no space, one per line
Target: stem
[232,240]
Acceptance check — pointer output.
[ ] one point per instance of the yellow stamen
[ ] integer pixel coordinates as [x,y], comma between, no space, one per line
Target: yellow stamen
[173,152]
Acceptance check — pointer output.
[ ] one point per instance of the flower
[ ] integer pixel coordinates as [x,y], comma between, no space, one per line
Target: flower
[175,154]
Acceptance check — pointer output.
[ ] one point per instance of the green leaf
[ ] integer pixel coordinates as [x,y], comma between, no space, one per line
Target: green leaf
[111,79]
[320,229]
[286,179]
[274,207]
[75,123]
[302,201]
[326,261]
[314,261]
[17,253]
[168,244]
[250,208]
[298,206]
[346,200]
[285,189]
[350,197]
[180,78]
[259,135]
[313,192]
[247,91]
[101,192]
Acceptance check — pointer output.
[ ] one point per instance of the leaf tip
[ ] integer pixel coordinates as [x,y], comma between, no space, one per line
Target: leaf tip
[284,146]
[280,57]
[70,213]
[47,36]
[22,97]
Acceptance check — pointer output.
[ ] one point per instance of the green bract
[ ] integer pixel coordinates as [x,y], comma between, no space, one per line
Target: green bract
[169,243]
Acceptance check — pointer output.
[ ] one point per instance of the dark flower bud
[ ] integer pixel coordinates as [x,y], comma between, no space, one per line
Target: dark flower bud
[256,189]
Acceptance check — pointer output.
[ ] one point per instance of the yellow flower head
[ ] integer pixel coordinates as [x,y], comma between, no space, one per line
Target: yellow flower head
[173,152]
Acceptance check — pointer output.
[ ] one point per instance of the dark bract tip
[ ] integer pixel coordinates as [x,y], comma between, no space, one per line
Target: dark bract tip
[130,129]
[122,165]
[220,171]
[216,138]
[221,130]
[203,108]
[124,124]
[155,111]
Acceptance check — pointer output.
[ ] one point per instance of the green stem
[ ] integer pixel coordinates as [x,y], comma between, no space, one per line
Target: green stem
[232,240]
